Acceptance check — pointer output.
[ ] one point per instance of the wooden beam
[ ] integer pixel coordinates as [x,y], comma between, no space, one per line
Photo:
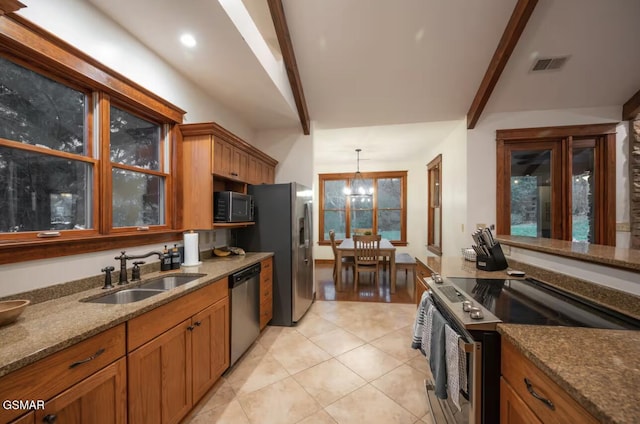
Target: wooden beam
[631,109]
[9,6]
[519,18]
[286,47]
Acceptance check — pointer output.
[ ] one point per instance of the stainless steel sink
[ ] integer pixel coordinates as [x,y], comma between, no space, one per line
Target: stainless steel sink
[127,296]
[169,282]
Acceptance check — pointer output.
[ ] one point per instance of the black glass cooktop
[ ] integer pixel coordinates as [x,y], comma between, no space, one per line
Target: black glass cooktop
[532,302]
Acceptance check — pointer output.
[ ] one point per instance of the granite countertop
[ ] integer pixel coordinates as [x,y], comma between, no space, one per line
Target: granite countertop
[599,368]
[451,266]
[47,327]
[606,255]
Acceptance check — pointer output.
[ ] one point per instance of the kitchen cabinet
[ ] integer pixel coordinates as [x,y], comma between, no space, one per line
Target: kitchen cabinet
[70,381]
[214,159]
[30,418]
[99,399]
[266,292]
[528,395]
[176,353]
[421,272]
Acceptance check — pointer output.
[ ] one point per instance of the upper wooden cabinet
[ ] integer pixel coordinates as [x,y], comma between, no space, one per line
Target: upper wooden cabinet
[211,159]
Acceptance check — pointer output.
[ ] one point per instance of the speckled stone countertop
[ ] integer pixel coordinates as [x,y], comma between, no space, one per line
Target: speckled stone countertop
[450,266]
[47,327]
[600,369]
[606,255]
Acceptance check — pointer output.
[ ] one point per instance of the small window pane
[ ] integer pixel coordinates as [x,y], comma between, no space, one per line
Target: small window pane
[334,196]
[336,221]
[389,224]
[389,193]
[361,218]
[39,111]
[40,192]
[531,193]
[138,199]
[134,141]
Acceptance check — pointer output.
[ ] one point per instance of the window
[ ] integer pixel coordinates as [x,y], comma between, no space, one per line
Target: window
[557,182]
[434,209]
[84,153]
[383,213]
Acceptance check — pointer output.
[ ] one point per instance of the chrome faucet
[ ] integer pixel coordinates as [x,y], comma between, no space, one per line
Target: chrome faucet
[122,279]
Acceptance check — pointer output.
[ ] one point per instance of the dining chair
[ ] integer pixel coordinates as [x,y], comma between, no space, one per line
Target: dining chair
[347,262]
[367,256]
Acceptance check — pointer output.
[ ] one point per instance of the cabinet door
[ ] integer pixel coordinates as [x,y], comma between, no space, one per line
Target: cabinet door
[210,345]
[99,399]
[222,158]
[513,410]
[254,170]
[240,165]
[421,272]
[160,378]
[270,174]
[197,182]
[266,292]
[30,418]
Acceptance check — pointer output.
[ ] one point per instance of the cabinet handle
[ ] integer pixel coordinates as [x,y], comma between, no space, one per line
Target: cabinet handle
[546,401]
[84,361]
[197,323]
[191,328]
[50,418]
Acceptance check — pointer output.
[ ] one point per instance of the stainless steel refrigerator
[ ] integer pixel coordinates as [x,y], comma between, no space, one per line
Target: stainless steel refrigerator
[284,226]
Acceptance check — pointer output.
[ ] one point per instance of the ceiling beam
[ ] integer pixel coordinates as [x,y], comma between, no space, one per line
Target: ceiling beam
[631,109]
[519,18]
[9,6]
[286,47]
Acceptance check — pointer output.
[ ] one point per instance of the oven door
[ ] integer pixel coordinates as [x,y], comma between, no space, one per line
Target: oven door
[444,411]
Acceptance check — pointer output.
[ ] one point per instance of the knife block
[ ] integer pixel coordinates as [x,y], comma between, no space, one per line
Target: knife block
[494,262]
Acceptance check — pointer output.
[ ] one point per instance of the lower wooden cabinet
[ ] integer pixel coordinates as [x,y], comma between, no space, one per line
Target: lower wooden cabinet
[421,287]
[266,292]
[172,371]
[528,395]
[99,399]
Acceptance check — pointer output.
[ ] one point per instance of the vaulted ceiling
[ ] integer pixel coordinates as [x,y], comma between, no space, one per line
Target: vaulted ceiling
[376,62]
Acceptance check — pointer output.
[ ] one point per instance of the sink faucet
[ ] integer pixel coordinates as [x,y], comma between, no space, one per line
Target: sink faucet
[123,263]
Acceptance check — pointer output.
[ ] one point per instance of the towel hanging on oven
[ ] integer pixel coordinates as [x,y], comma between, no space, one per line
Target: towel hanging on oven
[453,369]
[419,324]
[437,357]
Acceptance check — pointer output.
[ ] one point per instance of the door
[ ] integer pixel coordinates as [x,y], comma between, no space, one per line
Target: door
[210,346]
[99,399]
[160,378]
[303,289]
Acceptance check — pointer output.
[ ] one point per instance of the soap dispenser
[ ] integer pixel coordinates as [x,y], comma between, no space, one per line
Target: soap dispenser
[175,257]
[165,263]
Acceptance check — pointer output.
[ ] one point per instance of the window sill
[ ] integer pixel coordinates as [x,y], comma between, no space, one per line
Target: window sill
[22,250]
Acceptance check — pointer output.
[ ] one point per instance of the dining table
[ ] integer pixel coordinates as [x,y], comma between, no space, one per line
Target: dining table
[387,250]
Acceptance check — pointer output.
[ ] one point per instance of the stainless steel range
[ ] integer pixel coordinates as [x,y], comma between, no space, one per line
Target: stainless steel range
[473,307]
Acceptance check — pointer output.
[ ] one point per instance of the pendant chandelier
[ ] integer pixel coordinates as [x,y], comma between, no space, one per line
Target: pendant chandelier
[359,189]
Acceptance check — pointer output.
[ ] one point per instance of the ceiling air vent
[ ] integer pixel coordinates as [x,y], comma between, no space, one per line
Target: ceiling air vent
[549,63]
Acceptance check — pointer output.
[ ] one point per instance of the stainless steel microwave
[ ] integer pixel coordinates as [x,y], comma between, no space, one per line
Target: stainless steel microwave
[231,206]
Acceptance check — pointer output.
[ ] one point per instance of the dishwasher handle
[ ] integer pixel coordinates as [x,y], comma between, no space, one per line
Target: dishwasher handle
[244,275]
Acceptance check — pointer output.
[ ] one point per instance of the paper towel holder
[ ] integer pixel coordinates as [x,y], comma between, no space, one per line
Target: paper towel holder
[191,254]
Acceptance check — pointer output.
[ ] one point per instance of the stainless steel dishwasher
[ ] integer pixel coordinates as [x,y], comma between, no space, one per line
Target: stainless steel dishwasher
[245,309]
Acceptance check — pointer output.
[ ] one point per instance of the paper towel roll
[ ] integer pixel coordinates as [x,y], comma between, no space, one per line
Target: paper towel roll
[191,249]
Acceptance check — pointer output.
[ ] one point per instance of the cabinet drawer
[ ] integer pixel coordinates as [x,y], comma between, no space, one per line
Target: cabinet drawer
[266,288]
[52,375]
[155,322]
[266,267]
[518,370]
[266,312]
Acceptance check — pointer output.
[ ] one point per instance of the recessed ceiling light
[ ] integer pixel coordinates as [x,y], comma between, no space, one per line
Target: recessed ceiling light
[188,40]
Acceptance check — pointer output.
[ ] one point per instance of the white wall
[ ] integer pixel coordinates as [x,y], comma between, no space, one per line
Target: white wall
[481,157]
[82,26]
[294,152]
[420,143]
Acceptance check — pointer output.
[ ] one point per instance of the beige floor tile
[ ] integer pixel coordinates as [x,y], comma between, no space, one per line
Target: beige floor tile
[368,330]
[320,417]
[329,381]
[368,405]
[337,341]
[427,419]
[220,395]
[397,344]
[314,325]
[284,402]
[299,355]
[228,414]
[421,364]
[274,335]
[369,362]
[405,385]
[253,374]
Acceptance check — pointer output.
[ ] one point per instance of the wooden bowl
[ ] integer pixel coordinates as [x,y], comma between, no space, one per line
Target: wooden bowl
[10,310]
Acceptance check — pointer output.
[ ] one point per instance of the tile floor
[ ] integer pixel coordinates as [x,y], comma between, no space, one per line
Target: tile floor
[345,362]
